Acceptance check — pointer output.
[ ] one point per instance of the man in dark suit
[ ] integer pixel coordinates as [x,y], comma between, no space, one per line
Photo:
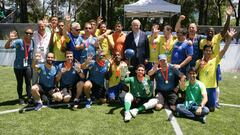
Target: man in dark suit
[137,40]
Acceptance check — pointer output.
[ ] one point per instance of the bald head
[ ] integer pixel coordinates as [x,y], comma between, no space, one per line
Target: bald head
[136,25]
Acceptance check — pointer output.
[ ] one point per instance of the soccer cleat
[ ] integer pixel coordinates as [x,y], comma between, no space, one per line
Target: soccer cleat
[134,112]
[88,104]
[128,116]
[38,107]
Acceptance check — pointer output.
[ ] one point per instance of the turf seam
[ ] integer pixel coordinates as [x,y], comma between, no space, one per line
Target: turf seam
[174,122]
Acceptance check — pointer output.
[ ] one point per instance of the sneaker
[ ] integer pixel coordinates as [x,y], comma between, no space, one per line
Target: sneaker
[134,112]
[128,116]
[217,105]
[76,102]
[88,104]
[21,102]
[203,119]
[38,107]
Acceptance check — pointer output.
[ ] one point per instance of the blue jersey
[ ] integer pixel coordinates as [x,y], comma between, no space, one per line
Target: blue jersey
[20,53]
[173,77]
[74,40]
[47,76]
[97,72]
[89,48]
[69,78]
[196,49]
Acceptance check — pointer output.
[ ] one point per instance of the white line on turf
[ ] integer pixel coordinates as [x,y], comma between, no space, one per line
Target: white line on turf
[231,105]
[174,122]
[32,108]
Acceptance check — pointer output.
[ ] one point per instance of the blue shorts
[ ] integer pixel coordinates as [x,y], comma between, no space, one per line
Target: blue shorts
[212,97]
[113,92]
[219,75]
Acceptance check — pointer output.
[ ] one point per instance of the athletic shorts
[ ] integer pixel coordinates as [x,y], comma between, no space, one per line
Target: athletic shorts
[169,97]
[212,97]
[98,91]
[113,92]
[137,102]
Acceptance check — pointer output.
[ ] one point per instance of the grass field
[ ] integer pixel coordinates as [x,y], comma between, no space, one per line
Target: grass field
[108,120]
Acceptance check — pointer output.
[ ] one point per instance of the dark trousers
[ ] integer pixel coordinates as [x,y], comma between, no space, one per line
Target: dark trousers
[190,112]
[20,74]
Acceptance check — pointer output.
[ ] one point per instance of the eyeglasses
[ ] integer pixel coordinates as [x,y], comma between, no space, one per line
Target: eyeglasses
[88,28]
[29,33]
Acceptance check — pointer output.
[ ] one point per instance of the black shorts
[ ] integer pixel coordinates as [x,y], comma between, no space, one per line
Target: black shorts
[169,97]
[137,102]
[98,91]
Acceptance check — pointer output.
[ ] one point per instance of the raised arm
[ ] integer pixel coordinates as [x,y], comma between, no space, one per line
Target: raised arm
[229,11]
[12,35]
[178,24]
[228,39]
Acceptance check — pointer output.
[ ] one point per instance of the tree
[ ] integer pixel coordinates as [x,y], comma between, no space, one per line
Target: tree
[23,11]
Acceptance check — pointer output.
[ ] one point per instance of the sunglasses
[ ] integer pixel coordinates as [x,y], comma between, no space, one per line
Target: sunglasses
[28,33]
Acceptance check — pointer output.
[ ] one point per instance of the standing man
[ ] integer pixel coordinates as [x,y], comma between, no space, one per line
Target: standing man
[138,41]
[119,38]
[182,52]
[207,69]
[196,98]
[41,40]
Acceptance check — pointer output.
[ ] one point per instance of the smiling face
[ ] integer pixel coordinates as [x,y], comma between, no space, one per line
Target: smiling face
[136,25]
[50,58]
[28,33]
[140,71]
[69,56]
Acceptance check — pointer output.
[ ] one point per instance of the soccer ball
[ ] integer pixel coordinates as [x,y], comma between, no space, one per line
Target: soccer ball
[129,53]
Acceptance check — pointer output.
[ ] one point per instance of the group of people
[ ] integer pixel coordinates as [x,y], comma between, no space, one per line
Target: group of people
[61,62]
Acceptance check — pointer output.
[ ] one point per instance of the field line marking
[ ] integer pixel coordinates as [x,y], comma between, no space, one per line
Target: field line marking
[32,108]
[174,122]
[231,105]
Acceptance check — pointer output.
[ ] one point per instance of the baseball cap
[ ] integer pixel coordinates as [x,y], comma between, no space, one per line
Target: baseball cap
[162,57]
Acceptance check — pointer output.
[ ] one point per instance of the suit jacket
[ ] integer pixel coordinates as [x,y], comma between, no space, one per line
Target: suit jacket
[141,51]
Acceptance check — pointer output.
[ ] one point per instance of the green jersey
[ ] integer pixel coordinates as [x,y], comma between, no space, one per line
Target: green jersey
[139,89]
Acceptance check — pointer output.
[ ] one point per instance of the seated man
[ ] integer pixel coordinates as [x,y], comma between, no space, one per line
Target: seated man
[196,98]
[68,76]
[96,79]
[167,78]
[46,85]
[140,92]
[118,69]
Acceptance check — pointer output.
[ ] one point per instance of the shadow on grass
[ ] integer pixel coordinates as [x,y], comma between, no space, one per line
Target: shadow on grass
[9,102]
[114,106]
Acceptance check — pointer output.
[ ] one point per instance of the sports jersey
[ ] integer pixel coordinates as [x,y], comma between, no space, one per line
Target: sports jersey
[167,47]
[105,45]
[21,51]
[72,41]
[59,41]
[154,48]
[47,76]
[119,40]
[139,89]
[173,75]
[207,71]
[68,78]
[194,92]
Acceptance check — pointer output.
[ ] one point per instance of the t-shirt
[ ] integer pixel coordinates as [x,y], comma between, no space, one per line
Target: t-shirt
[196,49]
[119,40]
[47,76]
[59,41]
[105,46]
[173,77]
[154,48]
[97,72]
[21,49]
[207,72]
[216,40]
[89,48]
[69,78]
[139,89]
[72,41]
[116,73]
[167,47]
[194,92]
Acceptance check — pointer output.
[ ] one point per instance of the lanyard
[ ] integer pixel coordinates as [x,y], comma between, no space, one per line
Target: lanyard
[26,49]
[165,77]
[85,39]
